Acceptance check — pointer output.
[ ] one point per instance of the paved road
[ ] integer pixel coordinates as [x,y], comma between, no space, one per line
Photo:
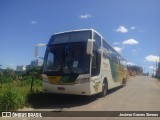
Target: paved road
[141,93]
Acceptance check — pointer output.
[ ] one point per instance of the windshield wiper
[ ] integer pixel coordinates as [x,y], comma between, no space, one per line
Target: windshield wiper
[70,68]
[66,53]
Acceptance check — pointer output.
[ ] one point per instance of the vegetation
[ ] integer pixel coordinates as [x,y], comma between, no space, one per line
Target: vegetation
[12,97]
[15,87]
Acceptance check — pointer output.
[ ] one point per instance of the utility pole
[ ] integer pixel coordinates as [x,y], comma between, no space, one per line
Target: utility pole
[153,71]
[159,58]
[158,69]
[156,65]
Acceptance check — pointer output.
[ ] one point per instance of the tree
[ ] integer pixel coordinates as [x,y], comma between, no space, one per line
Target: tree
[34,71]
[10,73]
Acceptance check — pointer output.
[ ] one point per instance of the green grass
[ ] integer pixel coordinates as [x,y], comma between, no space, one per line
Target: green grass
[14,96]
[6,80]
[27,82]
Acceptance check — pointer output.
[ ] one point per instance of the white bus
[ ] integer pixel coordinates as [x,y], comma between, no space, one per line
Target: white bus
[81,62]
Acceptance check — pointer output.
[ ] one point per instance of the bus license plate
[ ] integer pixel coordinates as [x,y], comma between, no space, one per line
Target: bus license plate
[60,88]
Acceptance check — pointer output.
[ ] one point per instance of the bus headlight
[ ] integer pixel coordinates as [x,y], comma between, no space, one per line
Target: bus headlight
[45,78]
[82,80]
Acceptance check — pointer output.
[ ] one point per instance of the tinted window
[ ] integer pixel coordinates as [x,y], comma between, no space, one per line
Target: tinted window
[96,59]
[69,58]
[110,53]
[74,36]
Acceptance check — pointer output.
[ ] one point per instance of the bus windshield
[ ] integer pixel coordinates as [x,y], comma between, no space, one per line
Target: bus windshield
[67,58]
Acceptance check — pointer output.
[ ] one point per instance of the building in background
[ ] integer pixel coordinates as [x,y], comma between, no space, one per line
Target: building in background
[134,70]
[158,69]
[21,68]
[36,63]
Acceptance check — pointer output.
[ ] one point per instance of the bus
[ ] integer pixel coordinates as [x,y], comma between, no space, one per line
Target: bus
[81,62]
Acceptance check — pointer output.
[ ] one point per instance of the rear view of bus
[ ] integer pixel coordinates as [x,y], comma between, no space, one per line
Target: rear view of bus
[73,64]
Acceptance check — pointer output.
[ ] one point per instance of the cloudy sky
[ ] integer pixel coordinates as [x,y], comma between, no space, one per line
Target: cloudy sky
[130,26]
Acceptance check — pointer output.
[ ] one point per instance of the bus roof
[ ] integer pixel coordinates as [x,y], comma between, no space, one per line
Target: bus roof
[78,31]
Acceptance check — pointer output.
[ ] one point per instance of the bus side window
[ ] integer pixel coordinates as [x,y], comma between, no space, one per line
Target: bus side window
[96,59]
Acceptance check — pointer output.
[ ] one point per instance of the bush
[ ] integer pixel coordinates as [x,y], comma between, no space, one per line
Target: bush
[6,79]
[15,95]
[12,97]
[38,82]
[26,81]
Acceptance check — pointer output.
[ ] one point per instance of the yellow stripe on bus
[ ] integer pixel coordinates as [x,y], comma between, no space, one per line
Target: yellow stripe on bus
[54,79]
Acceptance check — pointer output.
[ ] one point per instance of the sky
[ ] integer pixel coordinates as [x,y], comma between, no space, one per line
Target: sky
[132,27]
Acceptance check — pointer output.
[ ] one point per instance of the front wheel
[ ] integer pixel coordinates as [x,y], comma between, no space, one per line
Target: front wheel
[124,81]
[104,89]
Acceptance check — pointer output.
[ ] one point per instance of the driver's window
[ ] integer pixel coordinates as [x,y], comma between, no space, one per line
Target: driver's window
[50,60]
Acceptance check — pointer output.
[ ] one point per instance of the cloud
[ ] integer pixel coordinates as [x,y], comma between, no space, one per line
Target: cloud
[118,49]
[33,22]
[41,44]
[85,16]
[130,42]
[152,58]
[131,64]
[132,28]
[11,64]
[116,43]
[121,29]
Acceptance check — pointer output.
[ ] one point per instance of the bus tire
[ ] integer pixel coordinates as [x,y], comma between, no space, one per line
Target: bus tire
[104,89]
[124,81]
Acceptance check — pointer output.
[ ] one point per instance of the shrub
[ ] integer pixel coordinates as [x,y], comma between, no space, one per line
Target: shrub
[38,82]
[27,81]
[6,79]
[12,97]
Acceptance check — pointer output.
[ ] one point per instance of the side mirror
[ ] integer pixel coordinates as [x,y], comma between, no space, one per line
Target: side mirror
[36,49]
[90,46]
